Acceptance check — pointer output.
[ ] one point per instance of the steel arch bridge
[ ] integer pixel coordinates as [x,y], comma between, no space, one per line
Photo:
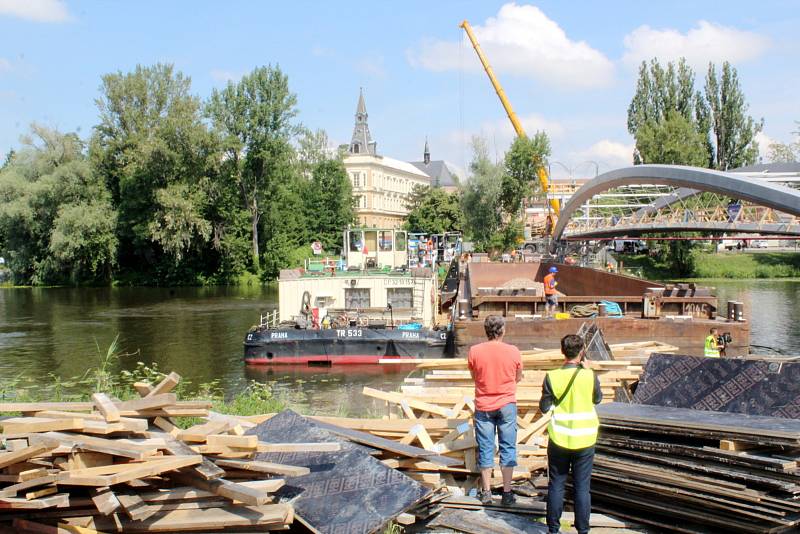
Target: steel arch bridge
[675,199]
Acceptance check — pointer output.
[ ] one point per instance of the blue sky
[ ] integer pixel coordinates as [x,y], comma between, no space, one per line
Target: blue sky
[568,67]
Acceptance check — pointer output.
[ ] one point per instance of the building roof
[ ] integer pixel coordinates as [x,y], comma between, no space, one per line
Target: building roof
[385,162]
[793,166]
[442,173]
[362,142]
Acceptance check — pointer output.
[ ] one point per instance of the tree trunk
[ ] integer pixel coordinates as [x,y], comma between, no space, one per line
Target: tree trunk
[254,219]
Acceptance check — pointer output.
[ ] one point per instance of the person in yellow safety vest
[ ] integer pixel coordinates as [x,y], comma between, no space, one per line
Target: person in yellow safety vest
[712,348]
[569,395]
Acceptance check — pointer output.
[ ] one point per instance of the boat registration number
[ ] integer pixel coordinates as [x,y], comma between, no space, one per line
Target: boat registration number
[411,335]
[348,333]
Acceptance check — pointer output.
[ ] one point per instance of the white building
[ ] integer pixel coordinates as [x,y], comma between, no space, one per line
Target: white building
[381,185]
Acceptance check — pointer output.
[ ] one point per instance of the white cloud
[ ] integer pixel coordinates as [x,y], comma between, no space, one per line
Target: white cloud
[704,43]
[321,51]
[521,41]
[607,154]
[764,141]
[35,10]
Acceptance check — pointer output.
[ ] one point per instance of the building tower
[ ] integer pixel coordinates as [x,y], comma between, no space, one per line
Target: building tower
[362,142]
[426,156]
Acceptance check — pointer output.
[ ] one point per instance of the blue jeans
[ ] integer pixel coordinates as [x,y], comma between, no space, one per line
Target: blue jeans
[504,422]
[559,461]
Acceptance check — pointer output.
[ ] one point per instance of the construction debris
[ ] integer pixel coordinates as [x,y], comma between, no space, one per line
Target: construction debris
[698,471]
[107,465]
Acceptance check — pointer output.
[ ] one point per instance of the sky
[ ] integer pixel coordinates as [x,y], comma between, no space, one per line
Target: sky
[568,68]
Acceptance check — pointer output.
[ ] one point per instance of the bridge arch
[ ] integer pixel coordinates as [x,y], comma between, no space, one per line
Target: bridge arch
[778,197]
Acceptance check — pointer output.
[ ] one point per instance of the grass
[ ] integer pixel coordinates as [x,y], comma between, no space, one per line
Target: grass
[256,398]
[721,265]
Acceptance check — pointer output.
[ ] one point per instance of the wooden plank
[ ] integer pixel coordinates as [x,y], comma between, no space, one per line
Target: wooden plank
[205,519]
[167,426]
[104,500]
[148,403]
[142,388]
[264,467]
[21,455]
[106,407]
[227,440]
[165,386]
[103,445]
[397,398]
[135,507]
[31,407]
[53,501]
[225,488]
[40,493]
[117,474]
[199,433]
[11,491]
[27,425]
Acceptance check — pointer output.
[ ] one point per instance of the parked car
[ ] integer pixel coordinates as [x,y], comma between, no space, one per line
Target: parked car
[759,243]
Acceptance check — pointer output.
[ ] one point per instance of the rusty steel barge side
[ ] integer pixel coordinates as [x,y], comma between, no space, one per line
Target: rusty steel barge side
[515,292]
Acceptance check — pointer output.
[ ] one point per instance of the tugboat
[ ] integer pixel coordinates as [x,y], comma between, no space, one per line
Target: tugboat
[376,302]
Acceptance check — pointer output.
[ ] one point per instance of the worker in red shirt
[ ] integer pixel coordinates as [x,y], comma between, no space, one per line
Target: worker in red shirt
[496,367]
[550,292]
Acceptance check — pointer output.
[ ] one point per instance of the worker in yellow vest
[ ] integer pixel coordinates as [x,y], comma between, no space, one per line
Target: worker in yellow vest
[569,395]
[712,348]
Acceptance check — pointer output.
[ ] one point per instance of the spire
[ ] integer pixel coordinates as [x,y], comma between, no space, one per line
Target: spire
[426,156]
[362,142]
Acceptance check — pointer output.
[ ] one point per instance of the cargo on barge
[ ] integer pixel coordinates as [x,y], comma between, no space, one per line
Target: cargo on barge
[678,314]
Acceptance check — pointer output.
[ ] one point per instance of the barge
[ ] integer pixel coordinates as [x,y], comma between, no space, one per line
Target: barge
[678,314]
[378,301]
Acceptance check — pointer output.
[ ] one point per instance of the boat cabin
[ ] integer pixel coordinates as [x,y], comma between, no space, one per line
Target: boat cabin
[375,248]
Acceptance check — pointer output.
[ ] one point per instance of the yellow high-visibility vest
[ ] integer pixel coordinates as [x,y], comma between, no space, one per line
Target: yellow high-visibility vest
[711,350]
[573,423]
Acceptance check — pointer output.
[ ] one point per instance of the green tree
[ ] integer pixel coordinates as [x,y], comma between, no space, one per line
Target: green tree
[523,161]
[480,200]
[329,202]
[150,139]
[434,211]
[57,224]
[674,140]
[786,152]
[255,120]
[178,220]
[733,131]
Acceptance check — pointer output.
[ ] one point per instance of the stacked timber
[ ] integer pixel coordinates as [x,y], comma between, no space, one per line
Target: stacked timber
[698,471]
[123,466]
[435,405]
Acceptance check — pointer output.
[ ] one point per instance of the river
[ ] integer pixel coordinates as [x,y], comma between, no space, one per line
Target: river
[198,332]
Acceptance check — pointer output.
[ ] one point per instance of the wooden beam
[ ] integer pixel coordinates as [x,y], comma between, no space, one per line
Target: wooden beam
[264,467]
[166,385]
[106,407]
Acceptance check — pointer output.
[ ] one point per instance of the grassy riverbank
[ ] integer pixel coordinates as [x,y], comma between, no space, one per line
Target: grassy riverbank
[731,265]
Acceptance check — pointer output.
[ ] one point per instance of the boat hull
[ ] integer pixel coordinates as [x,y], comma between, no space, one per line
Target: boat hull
[273,346]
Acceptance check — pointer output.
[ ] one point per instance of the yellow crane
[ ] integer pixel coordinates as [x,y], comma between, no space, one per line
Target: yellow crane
[542,173]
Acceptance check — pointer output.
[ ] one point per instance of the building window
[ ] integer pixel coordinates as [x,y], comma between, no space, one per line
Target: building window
[356,241]
[400,241]
[385,241]
[356,179]
[400,297]
[356,148]
[356,298]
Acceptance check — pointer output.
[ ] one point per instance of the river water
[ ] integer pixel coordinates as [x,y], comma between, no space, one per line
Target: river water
[198,332]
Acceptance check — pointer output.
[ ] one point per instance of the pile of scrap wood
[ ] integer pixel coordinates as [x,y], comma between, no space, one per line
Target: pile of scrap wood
[123,466]
[434,411]
[698,471]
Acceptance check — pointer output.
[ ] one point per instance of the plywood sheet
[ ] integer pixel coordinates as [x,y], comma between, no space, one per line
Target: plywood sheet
[347,491]
[753,387]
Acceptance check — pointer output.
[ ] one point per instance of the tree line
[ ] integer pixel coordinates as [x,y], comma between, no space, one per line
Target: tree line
[672,121]
[173,189]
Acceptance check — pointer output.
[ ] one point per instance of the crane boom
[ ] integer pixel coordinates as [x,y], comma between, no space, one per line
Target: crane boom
[501,94]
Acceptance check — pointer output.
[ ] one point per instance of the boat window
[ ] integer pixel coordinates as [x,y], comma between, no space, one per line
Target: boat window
[356,298]
[400,297]
[400,241]
[385,240]
[371,241]
[356,241]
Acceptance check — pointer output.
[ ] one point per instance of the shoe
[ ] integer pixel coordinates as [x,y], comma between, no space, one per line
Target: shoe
[485,497]
[508,499]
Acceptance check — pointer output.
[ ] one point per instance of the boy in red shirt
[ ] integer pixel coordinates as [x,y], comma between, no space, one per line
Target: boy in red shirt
[496,368]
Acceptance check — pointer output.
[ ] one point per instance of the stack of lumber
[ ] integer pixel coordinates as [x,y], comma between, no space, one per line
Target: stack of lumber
[123,466]
[698,471]
[434,411]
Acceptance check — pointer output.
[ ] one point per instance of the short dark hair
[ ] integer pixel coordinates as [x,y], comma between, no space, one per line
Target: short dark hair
[713,329]
[571,346]
[495,326]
